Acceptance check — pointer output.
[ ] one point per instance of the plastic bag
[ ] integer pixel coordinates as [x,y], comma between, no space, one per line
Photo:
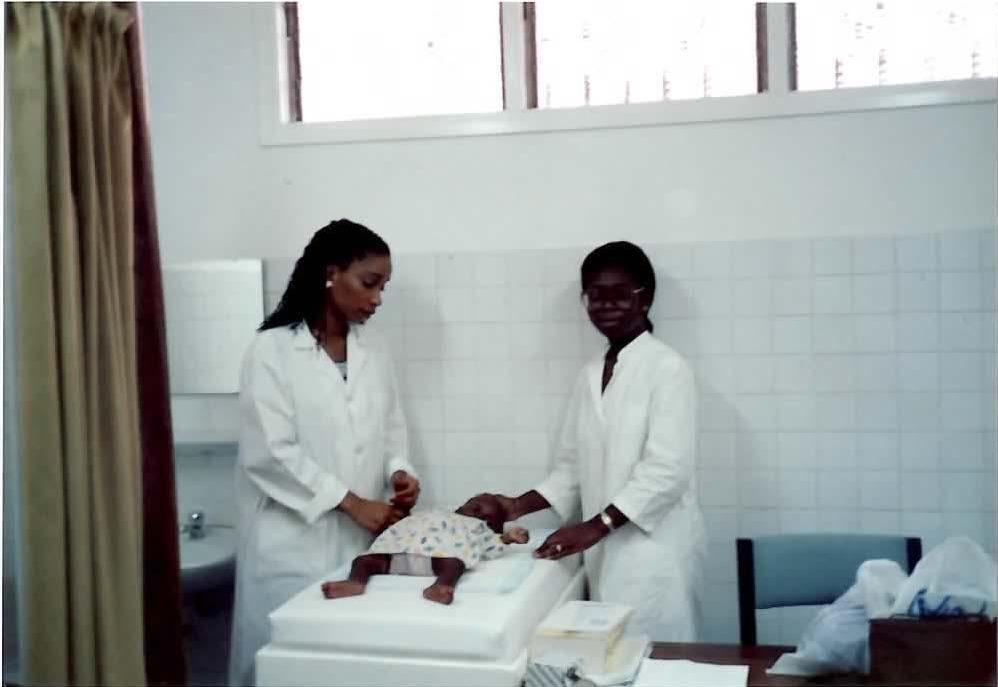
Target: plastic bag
[836,640]
[955,578]
[878,582]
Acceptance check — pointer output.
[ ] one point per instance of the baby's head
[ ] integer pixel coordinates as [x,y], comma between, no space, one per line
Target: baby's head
[484,507]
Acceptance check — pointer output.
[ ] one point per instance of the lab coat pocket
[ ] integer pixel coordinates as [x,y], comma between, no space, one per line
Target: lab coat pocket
[281,541]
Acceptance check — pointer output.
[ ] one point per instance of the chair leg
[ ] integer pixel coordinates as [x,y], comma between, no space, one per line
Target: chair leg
[746,592]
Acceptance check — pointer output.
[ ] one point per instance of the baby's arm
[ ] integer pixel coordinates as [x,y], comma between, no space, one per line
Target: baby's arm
[515,535]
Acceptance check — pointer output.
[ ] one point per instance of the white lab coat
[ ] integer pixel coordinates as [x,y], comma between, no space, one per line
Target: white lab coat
[634,446]
[307,437]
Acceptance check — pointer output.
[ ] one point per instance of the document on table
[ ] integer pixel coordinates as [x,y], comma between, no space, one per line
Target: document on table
[676,673]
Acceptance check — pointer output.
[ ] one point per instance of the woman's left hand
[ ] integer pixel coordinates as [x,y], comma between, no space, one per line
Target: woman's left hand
[570,540]
[406,488]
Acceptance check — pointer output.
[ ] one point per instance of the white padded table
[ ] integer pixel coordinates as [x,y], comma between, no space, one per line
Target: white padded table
[395,637]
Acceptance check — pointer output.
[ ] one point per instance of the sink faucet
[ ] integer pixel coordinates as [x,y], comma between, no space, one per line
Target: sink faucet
[195,525]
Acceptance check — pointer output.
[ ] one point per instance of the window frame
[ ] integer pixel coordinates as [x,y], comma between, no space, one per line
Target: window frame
[278,69]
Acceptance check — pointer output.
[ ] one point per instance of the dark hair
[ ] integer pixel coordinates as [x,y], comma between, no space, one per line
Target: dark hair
[625,256]
[339,243]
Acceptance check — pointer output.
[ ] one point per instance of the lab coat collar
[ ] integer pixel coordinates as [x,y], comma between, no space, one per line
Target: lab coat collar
[356,353]
[595,375]
[599,397]
[632,348]
[303,338]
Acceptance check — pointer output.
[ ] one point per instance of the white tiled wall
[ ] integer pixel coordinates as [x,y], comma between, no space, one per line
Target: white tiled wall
[212,308]
[204,477]
[845,384]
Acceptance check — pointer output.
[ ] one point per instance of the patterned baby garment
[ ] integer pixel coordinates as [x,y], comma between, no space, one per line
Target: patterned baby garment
[441,534]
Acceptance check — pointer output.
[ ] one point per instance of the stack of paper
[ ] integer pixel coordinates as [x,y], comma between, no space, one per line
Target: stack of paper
[585,631]
[656,673]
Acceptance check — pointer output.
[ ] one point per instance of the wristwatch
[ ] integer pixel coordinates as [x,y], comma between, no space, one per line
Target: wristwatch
[607,520]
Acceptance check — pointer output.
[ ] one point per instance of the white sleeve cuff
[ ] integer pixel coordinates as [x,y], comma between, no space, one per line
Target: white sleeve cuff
[564,506]
[396,464]
[331,493]
[633,513]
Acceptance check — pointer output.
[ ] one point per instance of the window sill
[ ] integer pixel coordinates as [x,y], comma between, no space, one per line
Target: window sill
[757,106]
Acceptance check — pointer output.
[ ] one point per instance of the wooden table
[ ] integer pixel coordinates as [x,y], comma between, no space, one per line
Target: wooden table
[757,658]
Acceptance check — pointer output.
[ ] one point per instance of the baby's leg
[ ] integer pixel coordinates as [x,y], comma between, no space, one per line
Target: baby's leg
[448,572]
[360,572]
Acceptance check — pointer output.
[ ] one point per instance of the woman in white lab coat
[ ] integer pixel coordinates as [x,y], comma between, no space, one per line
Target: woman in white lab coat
[322,434]
[626,453]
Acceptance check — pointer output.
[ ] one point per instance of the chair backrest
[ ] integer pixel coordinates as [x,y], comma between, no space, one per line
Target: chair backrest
[808,569]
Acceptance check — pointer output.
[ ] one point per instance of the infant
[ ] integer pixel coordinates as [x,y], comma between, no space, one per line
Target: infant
[433,543]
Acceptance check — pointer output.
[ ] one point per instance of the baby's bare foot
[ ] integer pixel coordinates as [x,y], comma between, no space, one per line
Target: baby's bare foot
[441,593]
[339,590]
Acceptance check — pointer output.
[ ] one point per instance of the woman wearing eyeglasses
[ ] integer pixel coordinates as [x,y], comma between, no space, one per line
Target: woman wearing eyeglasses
[627,451]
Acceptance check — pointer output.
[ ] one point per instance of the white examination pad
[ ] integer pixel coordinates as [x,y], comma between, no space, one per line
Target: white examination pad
[402,622]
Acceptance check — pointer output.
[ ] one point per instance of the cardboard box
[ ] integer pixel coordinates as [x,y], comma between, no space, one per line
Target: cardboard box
[933,651]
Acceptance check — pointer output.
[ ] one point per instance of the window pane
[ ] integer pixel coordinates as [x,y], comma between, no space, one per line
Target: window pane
[852,43]
[376,59]
[604,53]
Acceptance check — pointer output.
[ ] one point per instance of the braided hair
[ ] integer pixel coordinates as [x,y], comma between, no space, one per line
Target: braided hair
[339,244]
[625,256]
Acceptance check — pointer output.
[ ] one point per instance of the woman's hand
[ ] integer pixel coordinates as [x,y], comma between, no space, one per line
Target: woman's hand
[373,516]
[570,540]
[406,488]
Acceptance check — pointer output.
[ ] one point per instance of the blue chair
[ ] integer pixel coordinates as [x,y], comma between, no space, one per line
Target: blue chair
[808,569]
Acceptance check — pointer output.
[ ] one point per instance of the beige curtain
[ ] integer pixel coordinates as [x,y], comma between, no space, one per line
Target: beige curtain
[71,154]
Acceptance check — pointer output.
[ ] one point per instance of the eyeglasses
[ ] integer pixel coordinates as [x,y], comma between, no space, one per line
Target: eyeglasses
[619,296]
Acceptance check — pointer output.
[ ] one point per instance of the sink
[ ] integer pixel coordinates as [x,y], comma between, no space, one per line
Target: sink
[207,562]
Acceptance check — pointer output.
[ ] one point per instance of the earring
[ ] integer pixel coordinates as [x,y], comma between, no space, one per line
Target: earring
[329,282]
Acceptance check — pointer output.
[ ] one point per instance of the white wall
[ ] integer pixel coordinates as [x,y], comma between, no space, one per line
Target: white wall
[221,195]
[844,385]
[830,278]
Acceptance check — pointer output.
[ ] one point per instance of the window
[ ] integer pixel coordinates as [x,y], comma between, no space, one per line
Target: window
[371,60]
[850,43]
[602,53]
[385,70]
